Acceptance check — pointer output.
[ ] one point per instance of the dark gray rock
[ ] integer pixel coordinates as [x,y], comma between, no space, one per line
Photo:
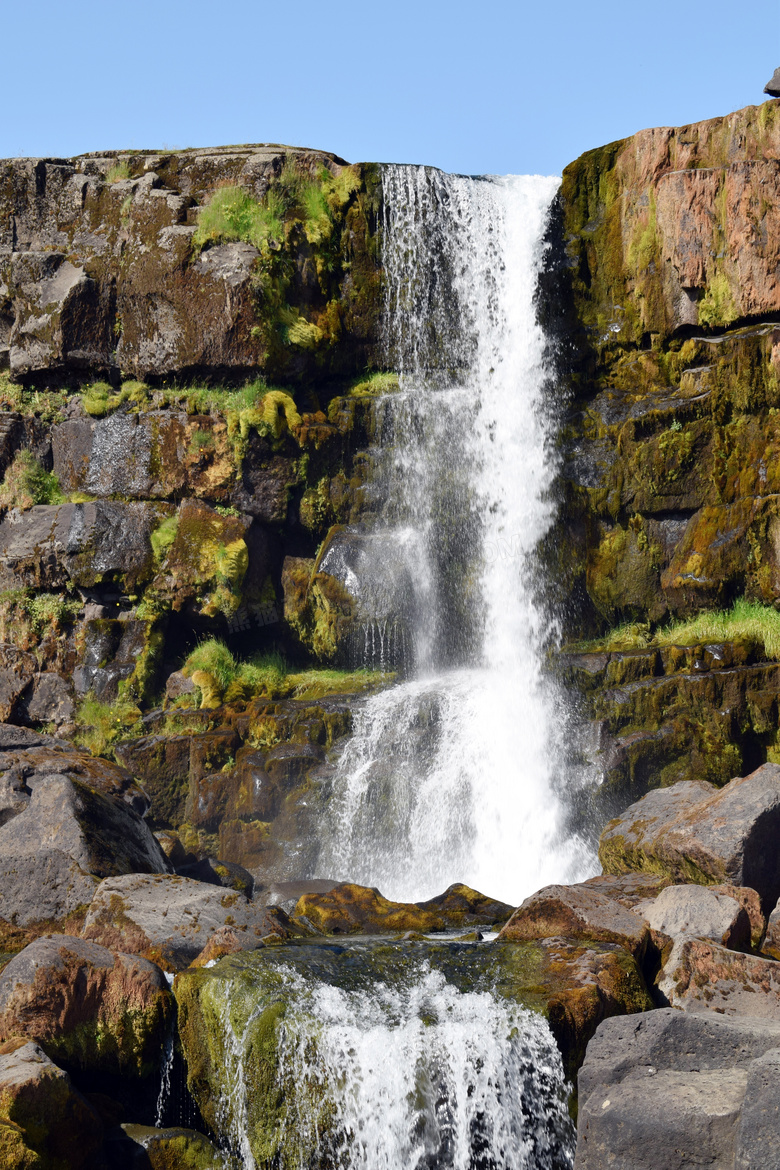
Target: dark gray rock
[17,670]
[54,853]
[758,1136]
[53,545]
[51,700]
[665,1090]
[772,87]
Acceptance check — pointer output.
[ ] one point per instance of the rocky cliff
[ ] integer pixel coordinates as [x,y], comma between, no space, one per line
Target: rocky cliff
[670,244]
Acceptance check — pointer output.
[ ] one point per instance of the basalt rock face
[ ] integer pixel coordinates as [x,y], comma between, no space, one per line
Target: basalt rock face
[669,254]
[98,270]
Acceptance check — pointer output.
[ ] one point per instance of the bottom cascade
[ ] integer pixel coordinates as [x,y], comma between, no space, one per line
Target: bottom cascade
[374,1056]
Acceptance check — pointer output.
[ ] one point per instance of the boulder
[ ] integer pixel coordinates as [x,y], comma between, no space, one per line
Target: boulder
[145,1148]
[169,919]
[577,985]
[461,906]
[758,1134]
[772,87]
[28,758]
[700,975]
[51,700]
[44,1121]
[699,911]
[771,944]
[668,1090]
[17,671]
[576,912]
[351,909]
[693,832]
[69,837]
[89,1009]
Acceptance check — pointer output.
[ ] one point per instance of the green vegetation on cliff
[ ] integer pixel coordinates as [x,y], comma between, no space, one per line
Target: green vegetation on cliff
[746,621]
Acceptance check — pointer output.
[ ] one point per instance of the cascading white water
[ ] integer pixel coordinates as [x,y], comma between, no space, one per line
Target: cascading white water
[454,774]
[414,1073]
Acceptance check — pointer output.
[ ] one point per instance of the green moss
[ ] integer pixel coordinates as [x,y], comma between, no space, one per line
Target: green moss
[101,725]
[99,399]
[163,537]
[51,611]
[27,483]
[716,307]
[374,385]
[233,214]
[746,621]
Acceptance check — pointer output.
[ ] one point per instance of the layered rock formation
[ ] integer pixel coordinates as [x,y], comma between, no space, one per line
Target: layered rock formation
[669,250]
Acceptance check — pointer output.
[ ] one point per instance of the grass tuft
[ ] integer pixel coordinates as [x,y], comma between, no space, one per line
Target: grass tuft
[27,483]
[746,621]
[222,678]
[118,172]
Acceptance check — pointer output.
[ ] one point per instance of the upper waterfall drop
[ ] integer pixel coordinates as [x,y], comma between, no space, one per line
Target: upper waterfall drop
[452,774]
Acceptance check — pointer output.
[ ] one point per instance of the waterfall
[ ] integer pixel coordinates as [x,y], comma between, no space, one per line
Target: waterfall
[383,1057]
[454,774]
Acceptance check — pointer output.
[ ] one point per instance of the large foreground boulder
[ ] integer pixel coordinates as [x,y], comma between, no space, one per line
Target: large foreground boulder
[669,1090]
[88,1008]
[169,919]
[693,832]
[68,838]
[45,1124]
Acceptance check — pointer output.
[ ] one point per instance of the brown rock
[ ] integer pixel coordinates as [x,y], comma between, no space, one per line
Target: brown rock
[576,985]
[351,909]
[461,906]
[576,912]
[693,832]
[771,945]
[699,975]
[88,1008]
[226,941]
[44,1120]
[751,903]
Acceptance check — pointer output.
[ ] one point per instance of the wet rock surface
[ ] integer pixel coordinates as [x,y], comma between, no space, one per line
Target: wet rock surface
[352,909]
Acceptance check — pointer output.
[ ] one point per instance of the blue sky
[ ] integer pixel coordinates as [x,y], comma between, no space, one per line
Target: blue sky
[503,87]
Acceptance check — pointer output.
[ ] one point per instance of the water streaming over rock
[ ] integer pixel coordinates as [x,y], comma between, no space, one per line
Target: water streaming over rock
[381,1061]
[453,775]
